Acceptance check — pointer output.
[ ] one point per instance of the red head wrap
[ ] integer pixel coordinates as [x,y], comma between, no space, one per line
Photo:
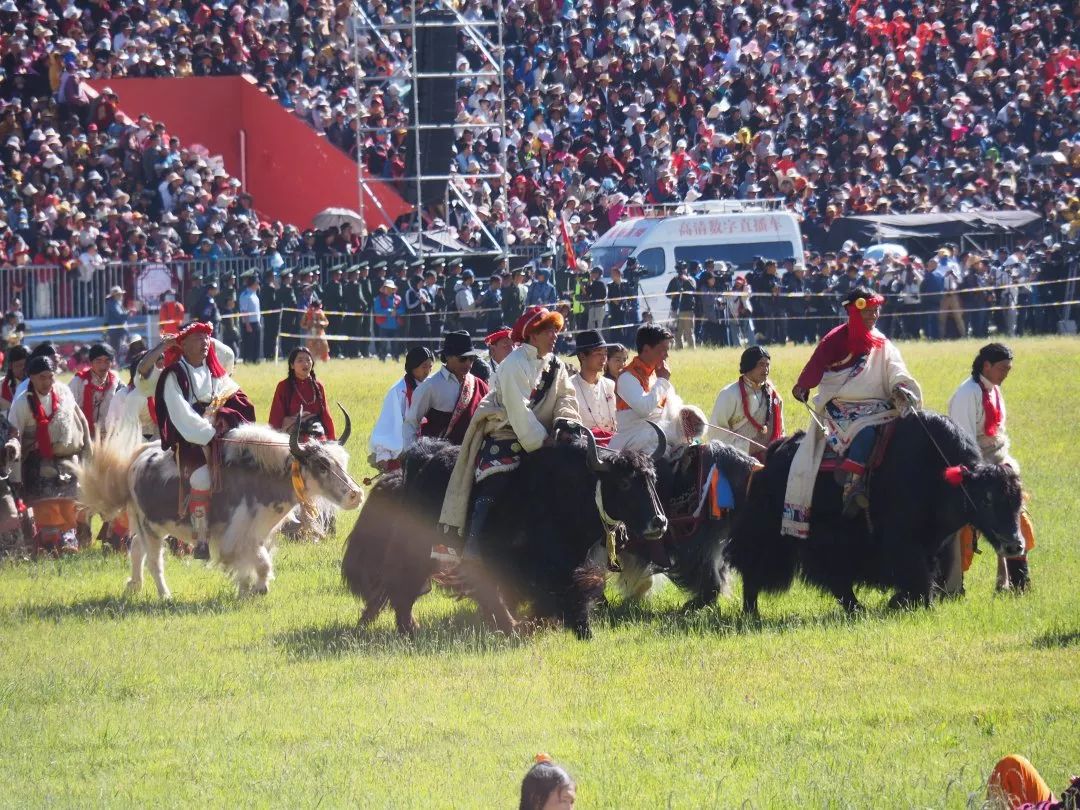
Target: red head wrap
[196,328]
[860,339]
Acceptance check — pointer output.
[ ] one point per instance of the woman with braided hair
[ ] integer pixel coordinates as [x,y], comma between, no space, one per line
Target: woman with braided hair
[301,396]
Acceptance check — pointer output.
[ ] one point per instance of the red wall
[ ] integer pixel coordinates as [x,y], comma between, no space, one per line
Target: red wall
[291,171]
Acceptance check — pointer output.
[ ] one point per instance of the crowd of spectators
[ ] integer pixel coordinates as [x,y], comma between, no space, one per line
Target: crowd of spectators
[835,107]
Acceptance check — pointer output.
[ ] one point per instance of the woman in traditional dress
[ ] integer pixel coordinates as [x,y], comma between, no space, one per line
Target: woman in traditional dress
[301,396]
[315,323]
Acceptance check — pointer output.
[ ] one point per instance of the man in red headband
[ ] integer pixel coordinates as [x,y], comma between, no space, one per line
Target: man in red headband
[862,383]
[499,346]
[195,402]
[531,390]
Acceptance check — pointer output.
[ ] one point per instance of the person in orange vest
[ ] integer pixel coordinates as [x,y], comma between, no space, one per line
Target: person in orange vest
[171,314]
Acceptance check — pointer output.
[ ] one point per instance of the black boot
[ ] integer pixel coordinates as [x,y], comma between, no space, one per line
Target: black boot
[1019,576]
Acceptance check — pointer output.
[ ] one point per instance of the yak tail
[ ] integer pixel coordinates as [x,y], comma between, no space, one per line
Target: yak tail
[103,477]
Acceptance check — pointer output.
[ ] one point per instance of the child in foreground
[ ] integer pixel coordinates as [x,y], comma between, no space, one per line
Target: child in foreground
[547,787]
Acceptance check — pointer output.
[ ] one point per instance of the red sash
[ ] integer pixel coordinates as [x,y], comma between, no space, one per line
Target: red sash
[776,412]
[41,434]
[991,401]
[89,389]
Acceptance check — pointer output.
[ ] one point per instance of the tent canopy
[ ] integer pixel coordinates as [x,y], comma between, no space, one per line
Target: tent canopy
[923,233]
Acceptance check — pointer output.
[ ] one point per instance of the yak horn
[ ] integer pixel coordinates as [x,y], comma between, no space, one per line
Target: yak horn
[294,441]
[348,426]
[592,456]
[661,442]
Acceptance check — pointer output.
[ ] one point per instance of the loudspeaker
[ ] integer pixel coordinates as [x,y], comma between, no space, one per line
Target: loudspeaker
[436,52]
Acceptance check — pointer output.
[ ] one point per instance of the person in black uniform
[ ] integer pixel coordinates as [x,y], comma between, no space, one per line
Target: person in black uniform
[289,321]
[796,305]
[333,301]
[272,318]
[352,302]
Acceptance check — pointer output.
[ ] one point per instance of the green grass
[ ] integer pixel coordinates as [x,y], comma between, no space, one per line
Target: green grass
[281,701]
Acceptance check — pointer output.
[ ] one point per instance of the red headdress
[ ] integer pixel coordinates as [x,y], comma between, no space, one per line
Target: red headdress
[196,328]
[533,318]
[860,339]
[496,336]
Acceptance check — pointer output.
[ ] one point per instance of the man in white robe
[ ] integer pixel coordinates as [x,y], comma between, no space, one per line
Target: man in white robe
[388,436]
[748,414]
[862,383]
[978,408]
[595,392]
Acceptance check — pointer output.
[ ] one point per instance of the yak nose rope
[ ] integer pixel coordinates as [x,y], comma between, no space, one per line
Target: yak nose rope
[612,530]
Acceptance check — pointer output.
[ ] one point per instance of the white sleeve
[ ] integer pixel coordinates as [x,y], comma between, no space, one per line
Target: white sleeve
[116,407]
[414,415]
[896,373]
[386,436]
[134,402]
[19,415]
[515,388]
[76,387]
[191,426]
[964,410]
[631,392]
[722,415]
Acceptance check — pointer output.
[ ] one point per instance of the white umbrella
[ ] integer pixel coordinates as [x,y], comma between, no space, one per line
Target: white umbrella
[876,253]
[336,217]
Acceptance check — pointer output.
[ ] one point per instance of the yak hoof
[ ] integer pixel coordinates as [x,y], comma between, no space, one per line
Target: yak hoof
[132,587]
[902,601]
[408,628]
[261,590]
[584,632]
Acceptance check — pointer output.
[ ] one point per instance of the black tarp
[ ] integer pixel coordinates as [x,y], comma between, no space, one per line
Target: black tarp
[923,233]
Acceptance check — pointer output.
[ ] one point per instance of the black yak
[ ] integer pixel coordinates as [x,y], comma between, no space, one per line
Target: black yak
[914,508]
[694,546]
[538,538]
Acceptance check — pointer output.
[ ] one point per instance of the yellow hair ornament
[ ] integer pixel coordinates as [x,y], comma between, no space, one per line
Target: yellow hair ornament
[542,757]
[860,303]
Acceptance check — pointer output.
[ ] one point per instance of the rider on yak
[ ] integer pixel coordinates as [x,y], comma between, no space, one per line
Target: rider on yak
[197,402]
[862,383]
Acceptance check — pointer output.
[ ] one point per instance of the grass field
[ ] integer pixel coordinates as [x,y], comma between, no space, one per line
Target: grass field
[281,701]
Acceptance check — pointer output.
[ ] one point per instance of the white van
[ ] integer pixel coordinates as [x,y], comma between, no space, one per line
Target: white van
[733,231]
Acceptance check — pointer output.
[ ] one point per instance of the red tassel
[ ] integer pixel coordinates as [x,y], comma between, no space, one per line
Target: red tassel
[954,476]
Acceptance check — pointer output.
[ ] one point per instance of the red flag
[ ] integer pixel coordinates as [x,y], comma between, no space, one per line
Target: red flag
[568,246]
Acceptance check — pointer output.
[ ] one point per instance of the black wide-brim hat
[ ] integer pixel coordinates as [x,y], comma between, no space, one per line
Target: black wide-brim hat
[457,344]
[588,340]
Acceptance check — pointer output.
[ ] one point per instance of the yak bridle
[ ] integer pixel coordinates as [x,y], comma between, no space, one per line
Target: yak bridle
[299,453]
[616,533]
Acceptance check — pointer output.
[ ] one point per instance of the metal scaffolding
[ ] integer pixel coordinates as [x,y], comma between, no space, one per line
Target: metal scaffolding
[429,231]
